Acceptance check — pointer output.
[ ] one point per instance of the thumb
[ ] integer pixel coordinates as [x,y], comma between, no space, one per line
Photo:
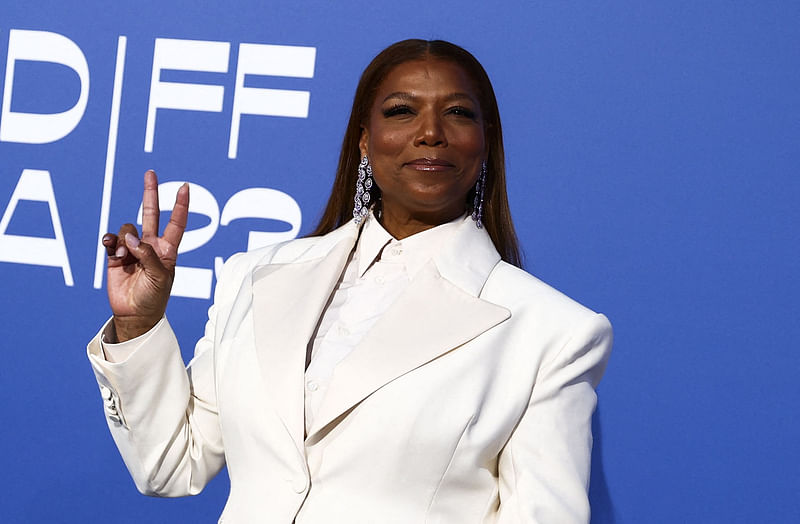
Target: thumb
[145,254]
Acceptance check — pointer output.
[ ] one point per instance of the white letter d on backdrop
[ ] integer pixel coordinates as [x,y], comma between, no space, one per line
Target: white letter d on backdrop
[35,128]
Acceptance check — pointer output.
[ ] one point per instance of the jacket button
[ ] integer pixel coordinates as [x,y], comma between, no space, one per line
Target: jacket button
[105,393]
[299,484]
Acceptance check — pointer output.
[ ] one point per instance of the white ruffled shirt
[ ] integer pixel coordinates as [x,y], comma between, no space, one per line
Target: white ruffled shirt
[379,270]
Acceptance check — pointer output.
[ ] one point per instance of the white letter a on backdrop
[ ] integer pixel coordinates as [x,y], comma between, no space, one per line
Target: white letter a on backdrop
[35,185]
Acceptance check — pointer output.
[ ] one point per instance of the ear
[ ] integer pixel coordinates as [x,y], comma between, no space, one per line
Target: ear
[362,142]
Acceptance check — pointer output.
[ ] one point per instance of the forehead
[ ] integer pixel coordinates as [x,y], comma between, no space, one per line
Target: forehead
[427,77]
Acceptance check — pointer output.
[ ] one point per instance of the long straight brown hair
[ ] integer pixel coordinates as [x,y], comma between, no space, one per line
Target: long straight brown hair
[496,212]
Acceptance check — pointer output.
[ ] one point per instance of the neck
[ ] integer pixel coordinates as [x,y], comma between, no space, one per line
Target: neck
[403,225]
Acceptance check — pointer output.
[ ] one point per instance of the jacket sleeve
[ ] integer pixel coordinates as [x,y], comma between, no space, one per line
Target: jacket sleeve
[544,467]
[163,416]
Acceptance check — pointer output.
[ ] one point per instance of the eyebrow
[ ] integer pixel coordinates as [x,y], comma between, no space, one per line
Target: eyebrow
[404,95]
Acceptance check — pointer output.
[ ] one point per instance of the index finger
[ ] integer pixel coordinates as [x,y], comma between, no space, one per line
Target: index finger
[150,208]
[177,219]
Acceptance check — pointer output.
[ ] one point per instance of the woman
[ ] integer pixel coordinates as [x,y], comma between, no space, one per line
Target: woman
[397,366]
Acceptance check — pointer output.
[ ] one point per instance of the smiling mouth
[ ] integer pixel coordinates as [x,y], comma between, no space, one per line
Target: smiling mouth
[429,164]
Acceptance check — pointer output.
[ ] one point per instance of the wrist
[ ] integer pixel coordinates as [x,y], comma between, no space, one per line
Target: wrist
[127,328]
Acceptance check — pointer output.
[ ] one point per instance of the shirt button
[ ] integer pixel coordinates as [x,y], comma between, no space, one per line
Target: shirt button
[312,386]
[379,280]
[396,251]
[344,331]
[299,484]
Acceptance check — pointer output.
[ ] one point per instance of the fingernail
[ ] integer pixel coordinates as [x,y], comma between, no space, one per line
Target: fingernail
[131,240]
[121,252]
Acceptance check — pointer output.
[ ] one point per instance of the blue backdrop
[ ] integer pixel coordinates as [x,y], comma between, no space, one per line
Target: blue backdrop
[653,174]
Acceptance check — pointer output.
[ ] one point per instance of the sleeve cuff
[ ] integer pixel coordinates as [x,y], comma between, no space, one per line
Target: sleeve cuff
[121,351]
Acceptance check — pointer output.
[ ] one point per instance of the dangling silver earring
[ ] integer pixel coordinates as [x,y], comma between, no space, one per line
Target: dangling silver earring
[363,187]
[477,204]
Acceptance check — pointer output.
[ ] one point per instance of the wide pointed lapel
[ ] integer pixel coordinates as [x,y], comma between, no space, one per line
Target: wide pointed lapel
[288,300]
[434,316]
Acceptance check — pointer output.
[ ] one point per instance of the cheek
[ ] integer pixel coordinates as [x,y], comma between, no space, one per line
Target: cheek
[387,141]
[473,142]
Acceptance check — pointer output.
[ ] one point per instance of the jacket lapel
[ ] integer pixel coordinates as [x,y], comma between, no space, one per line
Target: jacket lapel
[439,312]
[288,300]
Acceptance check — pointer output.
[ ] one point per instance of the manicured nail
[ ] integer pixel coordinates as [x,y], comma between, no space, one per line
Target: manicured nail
[121,252]
[131,240]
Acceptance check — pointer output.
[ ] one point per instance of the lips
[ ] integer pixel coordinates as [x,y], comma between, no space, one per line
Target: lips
[429,164]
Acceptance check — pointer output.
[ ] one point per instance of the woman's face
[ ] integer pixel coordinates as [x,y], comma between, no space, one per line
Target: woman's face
[425,141]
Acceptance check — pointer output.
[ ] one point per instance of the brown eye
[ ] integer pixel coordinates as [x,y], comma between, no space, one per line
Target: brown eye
[396,110]
[462,111]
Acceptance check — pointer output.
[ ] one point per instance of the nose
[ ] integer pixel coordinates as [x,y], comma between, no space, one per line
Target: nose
[431,132]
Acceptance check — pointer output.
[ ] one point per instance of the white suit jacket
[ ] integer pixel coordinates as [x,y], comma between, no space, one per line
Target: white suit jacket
[470,400]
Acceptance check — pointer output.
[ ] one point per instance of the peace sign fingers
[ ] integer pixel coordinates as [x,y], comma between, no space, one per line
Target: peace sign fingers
[141,270]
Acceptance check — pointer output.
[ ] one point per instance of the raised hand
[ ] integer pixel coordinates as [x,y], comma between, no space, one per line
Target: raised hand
[141,270]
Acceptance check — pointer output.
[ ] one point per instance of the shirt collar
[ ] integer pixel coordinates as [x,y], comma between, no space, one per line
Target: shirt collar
[372,240]
[417,249]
